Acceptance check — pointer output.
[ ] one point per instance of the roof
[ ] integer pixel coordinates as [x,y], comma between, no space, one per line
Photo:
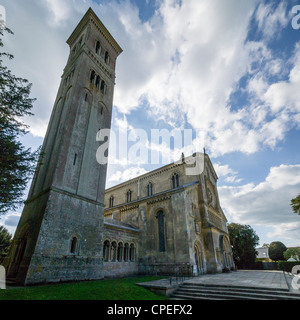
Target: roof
[262,252]
[91,15]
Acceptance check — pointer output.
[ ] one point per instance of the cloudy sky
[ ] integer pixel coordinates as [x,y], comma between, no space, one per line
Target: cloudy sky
[227,70]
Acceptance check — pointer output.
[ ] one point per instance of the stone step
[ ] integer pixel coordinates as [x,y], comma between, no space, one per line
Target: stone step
[272,291]
[231,294]
[210,296]
[187,297]
[234,286]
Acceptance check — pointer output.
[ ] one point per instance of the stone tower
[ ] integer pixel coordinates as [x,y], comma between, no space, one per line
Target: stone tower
[59,235]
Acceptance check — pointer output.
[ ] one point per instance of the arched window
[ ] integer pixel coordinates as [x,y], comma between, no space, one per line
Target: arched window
[106,57]
[120,252]
[92,76]
[98,47]
[106,250]
[97,82]
[161,231]
[111,201]
[150,189]
[175,180]
[73,246]
[126,252]
[131,252]
[113,251]
[129,194]
[103,87]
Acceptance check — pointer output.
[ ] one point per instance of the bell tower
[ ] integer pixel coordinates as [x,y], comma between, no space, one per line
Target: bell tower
[59,235]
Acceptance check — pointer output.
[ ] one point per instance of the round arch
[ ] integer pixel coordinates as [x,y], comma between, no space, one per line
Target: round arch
[199,255]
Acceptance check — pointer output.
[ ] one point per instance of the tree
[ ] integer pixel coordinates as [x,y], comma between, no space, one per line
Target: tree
[292,253]
[5,240]
[276,250]
[295,203]
[265,245]
[244,241]
[16,162]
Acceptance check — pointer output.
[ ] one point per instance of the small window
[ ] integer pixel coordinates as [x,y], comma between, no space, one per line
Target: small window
[113,251]
[175,180]
[126,252]
[120,252]
[75,158]
[150,189]
[131,252]
[129,195]
[106,57]
[111,201]
[103,87]
[97,82]
[106,250]
[98,47]
[161,231]
[73,247]
[92,77]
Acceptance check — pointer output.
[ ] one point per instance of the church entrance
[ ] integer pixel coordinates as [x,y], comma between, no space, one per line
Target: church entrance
[199,259]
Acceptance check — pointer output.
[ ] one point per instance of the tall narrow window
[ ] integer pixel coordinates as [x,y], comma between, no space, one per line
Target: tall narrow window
[97,49]
[131,252]
[103,87]
[106,57]
[111,201]
[75,158]
[129,194]
[150,189]
[161,231]
[92,77]
[126,252]
[175,180]
[120,251]
[113,251]
[73,245]
[97,82]
[106,250]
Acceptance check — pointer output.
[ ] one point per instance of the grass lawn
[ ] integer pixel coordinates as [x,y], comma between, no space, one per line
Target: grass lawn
[111,289]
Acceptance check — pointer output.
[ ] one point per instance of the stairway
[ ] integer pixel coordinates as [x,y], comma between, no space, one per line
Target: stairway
[193,291]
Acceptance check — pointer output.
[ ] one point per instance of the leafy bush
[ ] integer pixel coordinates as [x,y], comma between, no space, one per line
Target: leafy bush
[287,265]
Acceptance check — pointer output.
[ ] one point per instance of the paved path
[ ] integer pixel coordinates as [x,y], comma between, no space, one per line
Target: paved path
[243,278]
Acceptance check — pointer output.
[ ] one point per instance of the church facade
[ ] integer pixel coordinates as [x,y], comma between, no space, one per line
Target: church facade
[166,221]
[71,229]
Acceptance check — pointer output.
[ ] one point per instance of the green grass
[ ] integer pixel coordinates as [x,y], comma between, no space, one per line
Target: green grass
[112,289]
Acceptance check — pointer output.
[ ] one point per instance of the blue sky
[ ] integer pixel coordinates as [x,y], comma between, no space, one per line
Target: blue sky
[228,70]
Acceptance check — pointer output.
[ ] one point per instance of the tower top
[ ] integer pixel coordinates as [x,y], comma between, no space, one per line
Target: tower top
[91,16]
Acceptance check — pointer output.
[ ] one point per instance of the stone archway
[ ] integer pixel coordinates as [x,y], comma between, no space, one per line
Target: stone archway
[199,258]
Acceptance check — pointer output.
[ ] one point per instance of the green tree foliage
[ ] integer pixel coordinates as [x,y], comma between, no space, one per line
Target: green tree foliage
[5,240]
[292,253]
[265,245]
[244,241]
[16,162]
[295,203]
[276,250]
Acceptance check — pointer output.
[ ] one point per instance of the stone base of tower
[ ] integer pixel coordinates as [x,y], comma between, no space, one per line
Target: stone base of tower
[66,247]
[50,269]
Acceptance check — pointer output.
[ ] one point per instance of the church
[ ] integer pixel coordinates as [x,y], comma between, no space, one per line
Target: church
[72,229]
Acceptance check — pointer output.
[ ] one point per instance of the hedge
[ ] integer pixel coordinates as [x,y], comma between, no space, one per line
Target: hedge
[287,265]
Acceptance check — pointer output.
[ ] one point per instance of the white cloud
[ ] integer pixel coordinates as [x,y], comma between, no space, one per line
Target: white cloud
[130,173]
[272,19]
[267,203]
